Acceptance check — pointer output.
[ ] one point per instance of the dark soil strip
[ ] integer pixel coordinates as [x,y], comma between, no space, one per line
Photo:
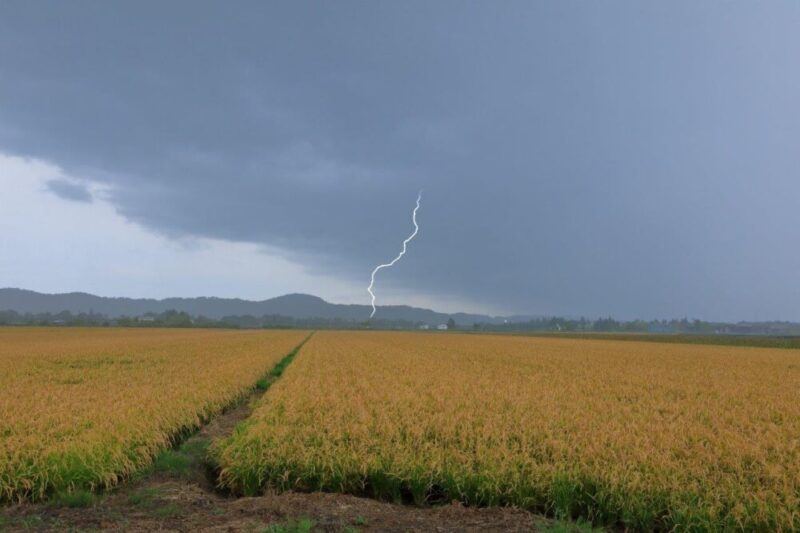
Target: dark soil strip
[179,494]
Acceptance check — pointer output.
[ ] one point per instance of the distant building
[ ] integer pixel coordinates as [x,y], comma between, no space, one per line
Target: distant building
[442,327]
[147,319]
[750,328]
[424,326]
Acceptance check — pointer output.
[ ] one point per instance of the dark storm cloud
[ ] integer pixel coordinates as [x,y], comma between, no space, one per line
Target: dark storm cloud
[637,160]
[69,190]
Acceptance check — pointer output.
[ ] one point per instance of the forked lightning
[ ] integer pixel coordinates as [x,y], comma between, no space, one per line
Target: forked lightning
[396,259]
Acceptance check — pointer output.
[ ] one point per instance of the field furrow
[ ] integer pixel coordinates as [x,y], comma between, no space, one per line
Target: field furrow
[86,408]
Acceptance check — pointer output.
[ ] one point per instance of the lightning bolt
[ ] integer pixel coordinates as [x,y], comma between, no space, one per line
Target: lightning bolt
[396,259]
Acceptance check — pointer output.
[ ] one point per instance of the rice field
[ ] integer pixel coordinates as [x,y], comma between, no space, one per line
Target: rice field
[85,408]
[640,435]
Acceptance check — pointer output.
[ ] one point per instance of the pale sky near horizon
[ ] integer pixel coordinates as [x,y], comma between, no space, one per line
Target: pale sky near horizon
[59,236]
[578,158]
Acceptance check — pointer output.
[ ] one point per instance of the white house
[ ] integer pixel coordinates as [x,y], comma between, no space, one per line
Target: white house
[441,327]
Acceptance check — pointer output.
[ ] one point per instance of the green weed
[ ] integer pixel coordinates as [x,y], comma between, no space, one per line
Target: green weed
[303,525]
[195,448]
[77,498]
[171,461]
[168,511]
[565,526]
[143,496]
[32,522]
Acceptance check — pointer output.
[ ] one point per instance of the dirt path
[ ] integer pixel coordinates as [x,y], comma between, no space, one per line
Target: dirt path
[178,494]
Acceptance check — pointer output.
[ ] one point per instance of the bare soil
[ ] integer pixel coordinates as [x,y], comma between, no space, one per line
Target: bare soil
[179,506]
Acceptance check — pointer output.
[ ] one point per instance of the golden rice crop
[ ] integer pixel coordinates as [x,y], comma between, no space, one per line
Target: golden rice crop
[644,435]
[86,407]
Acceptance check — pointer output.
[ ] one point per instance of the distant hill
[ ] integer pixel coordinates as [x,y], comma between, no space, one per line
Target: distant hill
[291,305]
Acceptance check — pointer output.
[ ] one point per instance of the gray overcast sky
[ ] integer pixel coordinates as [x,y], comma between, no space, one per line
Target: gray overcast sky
[625,158]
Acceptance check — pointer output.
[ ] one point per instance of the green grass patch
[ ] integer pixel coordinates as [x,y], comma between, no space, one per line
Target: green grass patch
[77,498]
[195,448]
[171,461]
[143,496]
[303,525]
[277,371]
[32,522]
[565,526]
[170,510]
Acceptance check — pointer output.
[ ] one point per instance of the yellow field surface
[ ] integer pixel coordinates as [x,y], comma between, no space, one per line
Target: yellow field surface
[644,435]
[85,407]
